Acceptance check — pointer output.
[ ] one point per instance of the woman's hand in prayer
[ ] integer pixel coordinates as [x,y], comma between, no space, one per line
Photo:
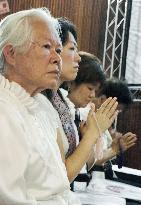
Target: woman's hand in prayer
[106,114]
[123,142]
[90,128]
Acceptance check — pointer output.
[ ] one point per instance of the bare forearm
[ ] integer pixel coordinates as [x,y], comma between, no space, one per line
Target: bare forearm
[92,160]
[80,156]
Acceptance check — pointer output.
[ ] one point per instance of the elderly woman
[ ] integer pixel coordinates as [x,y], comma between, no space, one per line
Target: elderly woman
[32,171]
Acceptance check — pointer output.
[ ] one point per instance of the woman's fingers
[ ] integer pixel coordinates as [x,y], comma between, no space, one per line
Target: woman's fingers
[131,141]
[108,108]
[128,134]
[128,140]
[107,113]
[130,145]
[108,104]
[92,107]
[114,116]
[102,107]
[112,111]
[127,146]
[82,127]
[129,137]
[90,114]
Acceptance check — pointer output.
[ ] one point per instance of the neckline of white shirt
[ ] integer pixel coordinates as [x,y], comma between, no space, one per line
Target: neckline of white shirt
[19,92]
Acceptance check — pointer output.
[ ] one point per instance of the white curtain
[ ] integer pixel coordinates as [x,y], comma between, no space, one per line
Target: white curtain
[133,63]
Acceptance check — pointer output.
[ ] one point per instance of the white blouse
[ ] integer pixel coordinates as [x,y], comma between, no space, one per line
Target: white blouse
[31,168]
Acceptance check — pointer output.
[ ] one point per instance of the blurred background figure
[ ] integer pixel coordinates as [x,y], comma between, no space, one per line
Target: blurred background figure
[90,80]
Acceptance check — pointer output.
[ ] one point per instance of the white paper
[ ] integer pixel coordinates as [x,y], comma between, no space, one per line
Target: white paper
[99,199]
[108,187]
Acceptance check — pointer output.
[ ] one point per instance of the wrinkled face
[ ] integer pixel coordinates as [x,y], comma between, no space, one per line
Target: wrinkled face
[39,67]
[70,60]
[84,93]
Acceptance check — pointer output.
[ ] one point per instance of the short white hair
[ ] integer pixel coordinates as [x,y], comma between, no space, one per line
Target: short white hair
[16,29]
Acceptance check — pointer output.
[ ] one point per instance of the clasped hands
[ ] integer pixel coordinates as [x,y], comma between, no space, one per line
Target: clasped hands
[122,141]
[99,121]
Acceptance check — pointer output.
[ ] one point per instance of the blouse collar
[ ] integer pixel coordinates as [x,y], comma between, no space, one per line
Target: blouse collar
[25,98]
[69,102]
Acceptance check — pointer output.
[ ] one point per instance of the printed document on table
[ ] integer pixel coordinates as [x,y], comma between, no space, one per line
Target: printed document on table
[99,199]
[108,187]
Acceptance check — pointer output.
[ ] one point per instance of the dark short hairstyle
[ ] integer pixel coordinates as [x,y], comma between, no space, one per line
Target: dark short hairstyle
[117,88]
[90,70]
[66,26]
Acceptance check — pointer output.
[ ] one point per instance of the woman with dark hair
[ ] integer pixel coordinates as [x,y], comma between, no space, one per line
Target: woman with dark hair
[77,155]
[118,88]
[70,64]
[90,78]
